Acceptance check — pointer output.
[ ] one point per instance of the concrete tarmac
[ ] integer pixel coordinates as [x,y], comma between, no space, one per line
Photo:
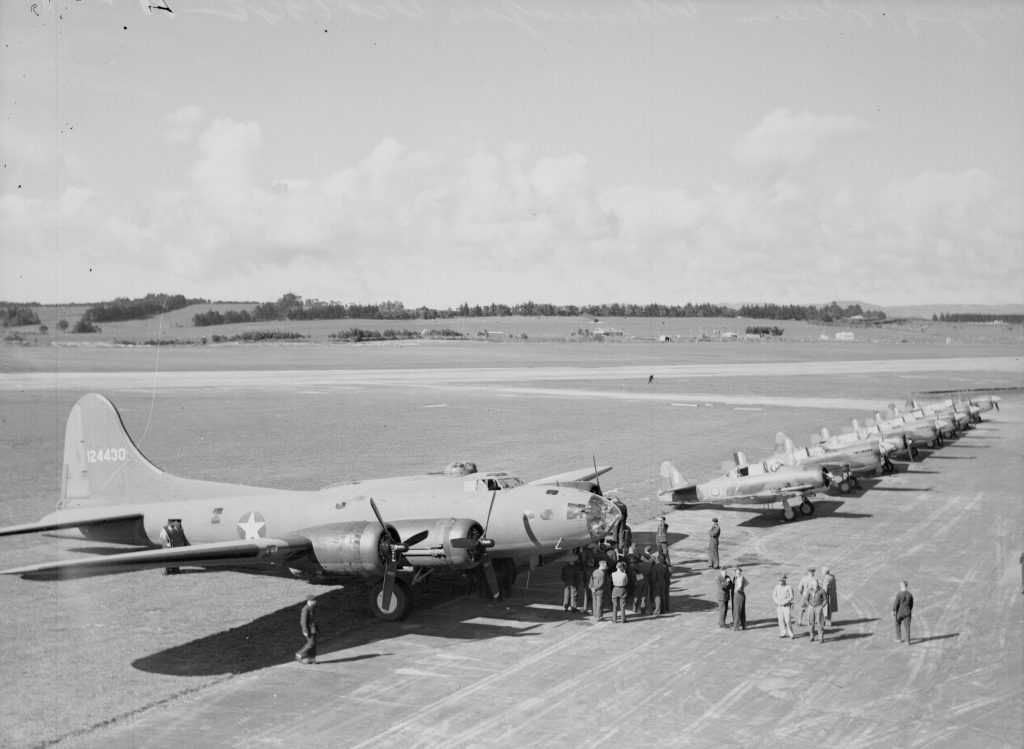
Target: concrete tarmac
[525,673]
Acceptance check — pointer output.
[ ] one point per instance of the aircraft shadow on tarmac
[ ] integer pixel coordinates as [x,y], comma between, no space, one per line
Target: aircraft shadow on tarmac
[272,640]
[771,518]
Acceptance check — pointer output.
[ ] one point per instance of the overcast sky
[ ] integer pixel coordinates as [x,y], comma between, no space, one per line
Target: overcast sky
[482,151]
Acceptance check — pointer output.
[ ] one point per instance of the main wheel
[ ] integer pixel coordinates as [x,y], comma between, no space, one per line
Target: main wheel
[401,601]
[844,486]
[806,508]
[787,511]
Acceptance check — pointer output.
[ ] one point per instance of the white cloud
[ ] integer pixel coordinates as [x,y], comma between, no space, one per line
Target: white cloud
[785,139]
[501,224]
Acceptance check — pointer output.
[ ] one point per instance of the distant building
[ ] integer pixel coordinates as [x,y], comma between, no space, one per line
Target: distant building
[729,336]
[608,332]
[844,335]
[665,338]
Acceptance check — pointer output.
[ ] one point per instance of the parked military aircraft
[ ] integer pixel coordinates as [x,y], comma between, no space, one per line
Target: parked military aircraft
[750,483]
[377,528]
[960,418]
[845,459]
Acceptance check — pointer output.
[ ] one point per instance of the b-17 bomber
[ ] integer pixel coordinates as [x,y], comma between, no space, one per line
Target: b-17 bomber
[457,519]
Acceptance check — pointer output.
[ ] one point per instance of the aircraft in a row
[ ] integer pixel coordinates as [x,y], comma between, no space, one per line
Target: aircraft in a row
[799,473]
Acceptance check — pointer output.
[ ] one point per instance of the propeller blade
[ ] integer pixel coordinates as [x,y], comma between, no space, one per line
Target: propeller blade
[389,586]
[597,478]
[379,518]
[413,540]
[492,578]
[489,509]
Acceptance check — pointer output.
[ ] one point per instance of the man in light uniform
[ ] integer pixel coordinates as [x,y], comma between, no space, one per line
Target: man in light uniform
[783,598]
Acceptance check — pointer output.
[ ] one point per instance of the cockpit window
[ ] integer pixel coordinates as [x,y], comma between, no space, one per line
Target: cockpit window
[503,483]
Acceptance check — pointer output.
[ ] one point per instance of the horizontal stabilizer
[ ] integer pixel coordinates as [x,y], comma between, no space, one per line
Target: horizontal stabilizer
[255,552]
[582,474]
[72,519]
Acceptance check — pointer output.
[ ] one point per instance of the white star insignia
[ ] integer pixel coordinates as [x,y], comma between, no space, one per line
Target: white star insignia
[252,526]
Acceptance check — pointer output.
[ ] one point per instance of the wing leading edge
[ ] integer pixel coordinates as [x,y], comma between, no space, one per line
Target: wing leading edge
[257,551]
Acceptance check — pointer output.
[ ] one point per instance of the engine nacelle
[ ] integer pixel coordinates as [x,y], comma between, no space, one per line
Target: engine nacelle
[349,548]
[436,550]
[361,548]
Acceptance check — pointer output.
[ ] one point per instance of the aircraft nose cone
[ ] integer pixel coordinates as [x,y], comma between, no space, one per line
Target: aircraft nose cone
[602,514]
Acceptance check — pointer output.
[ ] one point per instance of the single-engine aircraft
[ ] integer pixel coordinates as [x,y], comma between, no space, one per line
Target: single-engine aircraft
[376,528]
[765,483]
[845,460]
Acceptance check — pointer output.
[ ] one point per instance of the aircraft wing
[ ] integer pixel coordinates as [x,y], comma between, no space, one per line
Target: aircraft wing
[223,554]
[583,474]
[72,519]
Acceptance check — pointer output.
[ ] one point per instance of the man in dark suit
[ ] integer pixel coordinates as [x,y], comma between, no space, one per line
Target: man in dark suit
[739,600]
[902,608]
[310,630]
[724,584]
[713,533]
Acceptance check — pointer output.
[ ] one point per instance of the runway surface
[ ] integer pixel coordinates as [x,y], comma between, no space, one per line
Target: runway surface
[143,660]
[524,673]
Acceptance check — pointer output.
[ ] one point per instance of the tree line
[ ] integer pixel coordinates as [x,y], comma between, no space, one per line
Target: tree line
[977,317]
[294,307]
[123,308]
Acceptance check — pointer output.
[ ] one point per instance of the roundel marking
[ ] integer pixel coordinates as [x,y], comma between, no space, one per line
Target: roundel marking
[252,525]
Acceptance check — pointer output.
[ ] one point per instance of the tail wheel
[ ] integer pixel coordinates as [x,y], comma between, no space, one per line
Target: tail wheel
[399,605]
[806,508]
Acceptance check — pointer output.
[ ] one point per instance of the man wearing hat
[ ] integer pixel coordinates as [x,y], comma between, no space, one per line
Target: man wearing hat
[807,584]
[713,533]
[783,598]
[828,583]
[307,621]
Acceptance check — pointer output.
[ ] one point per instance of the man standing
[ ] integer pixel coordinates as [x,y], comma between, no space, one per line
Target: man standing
[783,599]
[739,600]
[661,537]
[307,622]
[571,581]
[172,535]
[724,585]
[641,585]
[902,608]
[659,584]
[807,583]
[619,582]
[713,533]
[816,599]
[597,583]
[828,584]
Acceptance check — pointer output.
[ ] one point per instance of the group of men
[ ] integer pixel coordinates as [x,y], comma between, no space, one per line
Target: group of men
[819,600]
[620,581]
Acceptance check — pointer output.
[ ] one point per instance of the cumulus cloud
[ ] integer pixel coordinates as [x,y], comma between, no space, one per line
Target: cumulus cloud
[786,139]
[500,223]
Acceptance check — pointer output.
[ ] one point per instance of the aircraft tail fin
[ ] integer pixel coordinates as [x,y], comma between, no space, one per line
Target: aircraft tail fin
[101,463]
[103,466]
[780,442]
[674,486]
